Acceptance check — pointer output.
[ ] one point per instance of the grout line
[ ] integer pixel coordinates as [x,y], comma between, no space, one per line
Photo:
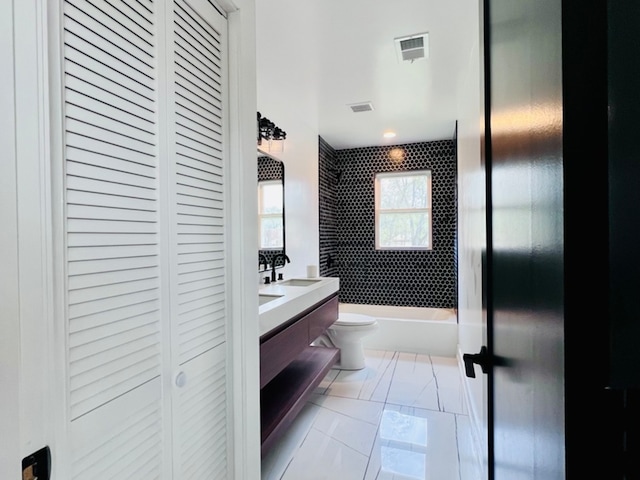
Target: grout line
[373,445]
[337,440]
[287,467]
[391,369]
[381,377]
[351,416]
[328,387]
[455,422]
[435,378]
[393,373]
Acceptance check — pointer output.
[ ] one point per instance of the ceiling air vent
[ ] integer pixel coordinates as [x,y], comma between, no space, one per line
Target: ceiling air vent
[361,107]
[413,47]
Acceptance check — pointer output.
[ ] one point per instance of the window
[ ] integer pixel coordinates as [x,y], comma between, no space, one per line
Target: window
[403,210]
[270,218]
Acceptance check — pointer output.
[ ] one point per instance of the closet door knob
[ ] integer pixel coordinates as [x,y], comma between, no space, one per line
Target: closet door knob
[181,379]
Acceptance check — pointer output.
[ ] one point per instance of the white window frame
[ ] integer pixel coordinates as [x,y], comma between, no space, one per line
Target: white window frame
[427,210]
[262,215]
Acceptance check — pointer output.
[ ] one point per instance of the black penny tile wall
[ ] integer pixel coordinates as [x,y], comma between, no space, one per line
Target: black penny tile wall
[328,178]
[269,169]
[347,223]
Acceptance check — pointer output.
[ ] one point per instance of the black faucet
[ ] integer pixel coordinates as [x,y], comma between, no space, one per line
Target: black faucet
[274,263]
[262,260]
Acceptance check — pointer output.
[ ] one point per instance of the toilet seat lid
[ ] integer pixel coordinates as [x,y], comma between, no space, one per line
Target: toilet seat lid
[354,319]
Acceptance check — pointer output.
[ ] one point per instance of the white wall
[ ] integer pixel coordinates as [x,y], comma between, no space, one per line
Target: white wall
[287,76]
[472,232]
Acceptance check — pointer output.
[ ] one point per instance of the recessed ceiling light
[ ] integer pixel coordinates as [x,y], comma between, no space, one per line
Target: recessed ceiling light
[389,134]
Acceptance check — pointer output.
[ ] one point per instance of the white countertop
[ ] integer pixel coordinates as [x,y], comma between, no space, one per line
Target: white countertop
[293,301]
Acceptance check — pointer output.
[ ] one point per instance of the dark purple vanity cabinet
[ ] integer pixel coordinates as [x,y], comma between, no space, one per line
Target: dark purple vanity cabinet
[290,368]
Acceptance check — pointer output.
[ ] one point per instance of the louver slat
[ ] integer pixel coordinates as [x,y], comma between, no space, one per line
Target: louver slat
[186,100]
[108,213]
[113,268]
[201,313]
[109,121]
[138,9]
[98,159]
[115,50]
[199,138]
[88,69]
[122,315]
[202,405]
[108,187]
[125,35]
[122,440]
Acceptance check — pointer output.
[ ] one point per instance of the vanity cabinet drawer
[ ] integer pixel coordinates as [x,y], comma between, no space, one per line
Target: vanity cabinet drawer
[278,351]
[322,318]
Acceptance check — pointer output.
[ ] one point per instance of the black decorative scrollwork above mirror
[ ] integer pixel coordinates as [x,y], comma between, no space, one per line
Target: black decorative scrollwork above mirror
[271,219]
[269,134]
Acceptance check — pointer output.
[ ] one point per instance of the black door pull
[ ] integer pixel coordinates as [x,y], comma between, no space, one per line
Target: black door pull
[482,358]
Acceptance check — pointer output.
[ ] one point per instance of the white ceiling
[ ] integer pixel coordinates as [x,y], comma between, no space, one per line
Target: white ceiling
[344,51]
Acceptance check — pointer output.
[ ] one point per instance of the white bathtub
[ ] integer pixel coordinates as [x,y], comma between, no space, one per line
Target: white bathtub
[432,331]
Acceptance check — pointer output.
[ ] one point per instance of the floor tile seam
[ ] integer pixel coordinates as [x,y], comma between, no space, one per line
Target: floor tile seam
[362,384]
[424,388]
[330,383]
[393,362]
[373,445]
[395,355]
[416,396]
[456,429]
[427,409]
[284,472]
[298,447]
[381,377]
[341,442]
[435,379]
[351,397]
[349,416]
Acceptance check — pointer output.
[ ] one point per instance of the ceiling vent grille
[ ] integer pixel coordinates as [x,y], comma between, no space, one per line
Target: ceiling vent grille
[361,107]
[413,47]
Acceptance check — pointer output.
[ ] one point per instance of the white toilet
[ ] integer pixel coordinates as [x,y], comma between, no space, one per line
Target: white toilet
[346,334]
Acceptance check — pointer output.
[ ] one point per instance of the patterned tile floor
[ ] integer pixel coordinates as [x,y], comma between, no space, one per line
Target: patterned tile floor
[402,417]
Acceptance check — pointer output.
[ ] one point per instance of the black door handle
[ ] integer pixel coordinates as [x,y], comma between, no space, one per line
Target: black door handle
[482,358]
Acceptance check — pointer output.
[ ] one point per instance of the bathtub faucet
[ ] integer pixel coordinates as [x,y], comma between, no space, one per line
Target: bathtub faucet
[274,264]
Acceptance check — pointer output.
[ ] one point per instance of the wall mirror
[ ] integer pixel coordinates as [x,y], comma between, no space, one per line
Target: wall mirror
[271,219]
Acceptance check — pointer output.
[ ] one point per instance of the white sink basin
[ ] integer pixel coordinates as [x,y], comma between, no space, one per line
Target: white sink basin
[298,282]
[267,297]
[282,300]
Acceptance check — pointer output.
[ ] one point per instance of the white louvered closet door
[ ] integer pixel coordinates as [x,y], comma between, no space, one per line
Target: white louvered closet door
[144,225]
[199,310]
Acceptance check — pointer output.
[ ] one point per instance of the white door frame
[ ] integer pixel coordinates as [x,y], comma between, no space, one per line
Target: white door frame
[25,241]
[243,235]
[9,292]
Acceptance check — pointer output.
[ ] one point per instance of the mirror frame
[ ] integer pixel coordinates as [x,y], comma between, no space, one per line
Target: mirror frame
[265,176]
